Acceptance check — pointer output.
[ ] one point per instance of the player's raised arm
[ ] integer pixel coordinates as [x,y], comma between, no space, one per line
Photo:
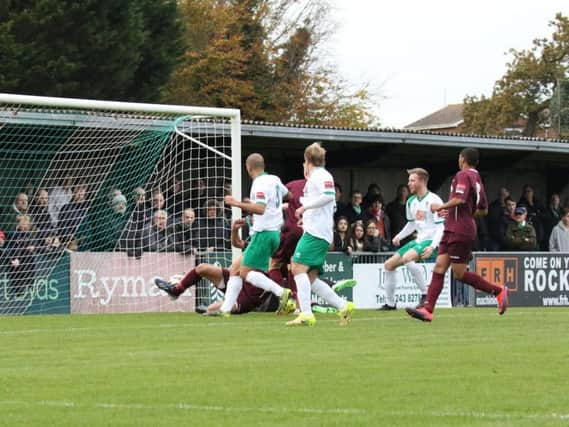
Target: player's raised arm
[257,207]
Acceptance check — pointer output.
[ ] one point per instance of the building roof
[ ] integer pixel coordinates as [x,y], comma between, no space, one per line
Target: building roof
[301,131]
[447,117]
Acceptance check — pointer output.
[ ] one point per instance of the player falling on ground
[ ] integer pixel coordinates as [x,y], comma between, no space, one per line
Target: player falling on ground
[429,227]
[249,297]
[467,200]
[267,193]
[317,219]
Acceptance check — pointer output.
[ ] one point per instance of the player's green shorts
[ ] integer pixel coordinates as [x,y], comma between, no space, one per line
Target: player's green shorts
[262,246]
[418,247]
[311,251]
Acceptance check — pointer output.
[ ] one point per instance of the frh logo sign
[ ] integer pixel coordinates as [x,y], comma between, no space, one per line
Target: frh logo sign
[501,271]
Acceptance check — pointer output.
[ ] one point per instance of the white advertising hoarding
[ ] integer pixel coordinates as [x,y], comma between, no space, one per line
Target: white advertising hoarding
[370,290]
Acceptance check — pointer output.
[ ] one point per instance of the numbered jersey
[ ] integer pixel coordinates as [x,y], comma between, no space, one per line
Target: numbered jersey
[418,211]
[268,190]
[466,185]
[319,222]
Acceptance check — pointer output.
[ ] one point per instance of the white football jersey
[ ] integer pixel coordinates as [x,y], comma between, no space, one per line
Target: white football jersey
[419,211]
[319,222]
[268,190]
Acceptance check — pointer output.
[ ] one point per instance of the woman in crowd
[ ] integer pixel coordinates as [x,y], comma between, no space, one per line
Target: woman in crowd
[356,238]
[341,235]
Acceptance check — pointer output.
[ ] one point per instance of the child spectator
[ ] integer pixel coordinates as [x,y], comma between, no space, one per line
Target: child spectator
[376,214]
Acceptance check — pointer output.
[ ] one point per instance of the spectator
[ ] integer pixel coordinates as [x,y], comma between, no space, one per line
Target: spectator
[507,217]
[373,242]
[39,211]
[353,211]
[19,256]
[199,196]
[73,226]
[534,212]
[395,211]
[114,193]
[520,235]
[60,196]
[373,190]
[481,241]
[215,231]
[551,215]
[185,233]
[131,238]
[175,198]
[19,207]
[340,207]
[496,211]
[2,243]
[356,239]
[559,239]
[117,221]
[341,235]
[155,235]
[376,214]
[157,203]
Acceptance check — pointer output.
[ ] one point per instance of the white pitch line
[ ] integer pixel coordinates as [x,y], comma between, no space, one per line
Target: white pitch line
[182,406]
[268,409]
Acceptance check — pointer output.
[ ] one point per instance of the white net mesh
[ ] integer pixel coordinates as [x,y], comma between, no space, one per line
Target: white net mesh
[97,201]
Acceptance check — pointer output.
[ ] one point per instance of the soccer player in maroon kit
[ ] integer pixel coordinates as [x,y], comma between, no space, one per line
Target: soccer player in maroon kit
[250,297]
[290,235]
[467,200]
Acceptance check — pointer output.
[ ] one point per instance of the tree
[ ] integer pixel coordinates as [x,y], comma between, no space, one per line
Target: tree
[262,56]
[560,109]
[107,49]
[526,88]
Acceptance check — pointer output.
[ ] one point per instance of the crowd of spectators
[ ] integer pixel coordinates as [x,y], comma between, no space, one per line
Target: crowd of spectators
[43,223]
[365,224]
[49,221]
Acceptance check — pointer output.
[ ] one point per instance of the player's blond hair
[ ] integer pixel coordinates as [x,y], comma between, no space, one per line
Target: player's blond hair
[315,154]
[420,172]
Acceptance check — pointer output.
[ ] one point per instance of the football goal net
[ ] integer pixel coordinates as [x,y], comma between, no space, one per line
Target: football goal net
[98,198]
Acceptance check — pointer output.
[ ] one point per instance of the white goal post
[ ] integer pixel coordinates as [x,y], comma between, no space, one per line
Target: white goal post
[90,181]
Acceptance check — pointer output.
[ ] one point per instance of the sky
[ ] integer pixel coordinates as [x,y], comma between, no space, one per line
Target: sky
[419,56]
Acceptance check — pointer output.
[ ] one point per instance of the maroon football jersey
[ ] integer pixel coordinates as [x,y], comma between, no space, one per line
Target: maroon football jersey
[466,185]
[296,188]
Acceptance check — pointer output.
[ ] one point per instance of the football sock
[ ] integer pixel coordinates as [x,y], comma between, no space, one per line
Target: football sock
[324,291]
[291,283]
[435,288]
[190,279]
[417,272]
[234,286]
[276,276]
[390,279]
[261,281]
[478,282]
[303,292]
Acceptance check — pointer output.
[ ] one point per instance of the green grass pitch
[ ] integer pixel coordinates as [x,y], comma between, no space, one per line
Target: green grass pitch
[470,367]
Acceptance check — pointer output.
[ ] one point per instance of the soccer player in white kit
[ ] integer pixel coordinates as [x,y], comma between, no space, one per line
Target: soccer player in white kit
[429,227]
[317,219]
[267,192]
